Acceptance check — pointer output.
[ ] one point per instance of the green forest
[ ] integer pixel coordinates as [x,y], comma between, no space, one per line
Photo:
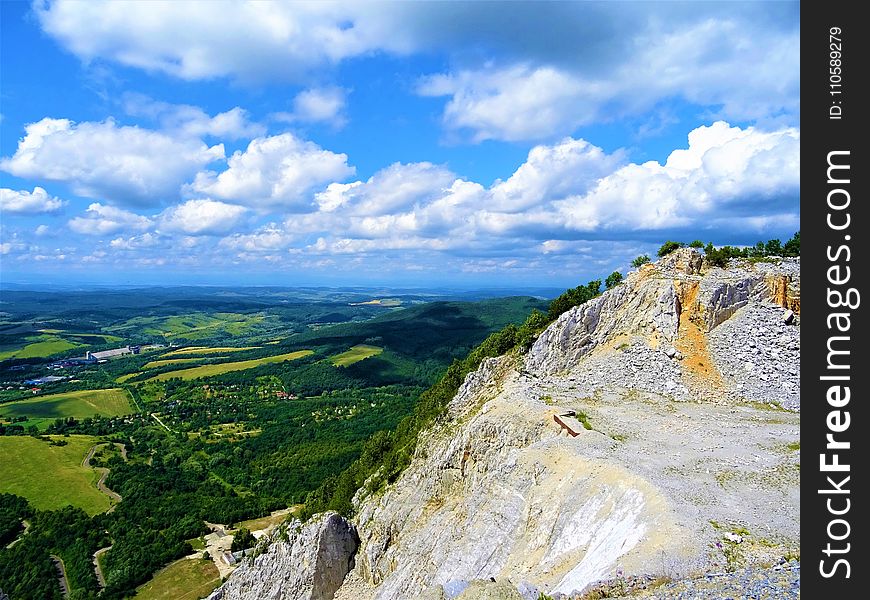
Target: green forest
[228,447]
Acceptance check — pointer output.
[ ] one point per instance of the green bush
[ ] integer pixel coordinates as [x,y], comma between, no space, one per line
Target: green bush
[531,329]
[719,257]
[773,248]
[613,280]
[669,247]
[793,246]
[243,539]
[574,297]
[640,260]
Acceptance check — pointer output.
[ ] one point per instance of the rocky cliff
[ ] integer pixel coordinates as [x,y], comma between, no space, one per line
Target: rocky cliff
[653,431]
[302,562]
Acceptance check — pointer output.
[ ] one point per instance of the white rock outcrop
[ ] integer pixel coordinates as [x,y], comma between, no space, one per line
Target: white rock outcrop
[651,301]
[309,565]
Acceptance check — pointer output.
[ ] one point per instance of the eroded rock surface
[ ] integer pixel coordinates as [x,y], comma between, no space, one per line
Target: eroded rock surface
[687,461]
[310,564]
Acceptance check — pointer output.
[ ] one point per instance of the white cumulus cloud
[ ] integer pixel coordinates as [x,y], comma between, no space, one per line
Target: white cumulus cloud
[266,239]
[568,167]
[202,217]
[276,171]
[104,160]
[399,186]
[28,203]
[716,63]
[515,103]
[530,70]
[726,180]
[100,219]
[193,121]
[135,242]
[244,40]
[318,105]
[724,171]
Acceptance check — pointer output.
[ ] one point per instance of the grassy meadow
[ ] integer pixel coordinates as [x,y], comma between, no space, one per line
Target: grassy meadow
[185,579]
[355,354]
[42,410]
[43,343]
[219,369]
[50,477]
[203,350]
[175,361]
[41,346]
[193,326]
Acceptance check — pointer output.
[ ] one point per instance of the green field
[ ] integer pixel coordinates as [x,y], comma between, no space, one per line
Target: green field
[206,350]
[390,302]
[105,336]
[355,354]
[192,326]
[42,347]
[175,361]
[50,477]
[219,369]
[197,543]
[48,342]
[185,579]
[42,410]
[107,339]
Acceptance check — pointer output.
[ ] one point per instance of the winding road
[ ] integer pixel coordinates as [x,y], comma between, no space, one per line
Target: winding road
[97,568]
[61,575]
[104,472]
[101,485]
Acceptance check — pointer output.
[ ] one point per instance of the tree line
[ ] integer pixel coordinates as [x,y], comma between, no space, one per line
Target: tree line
[719,257]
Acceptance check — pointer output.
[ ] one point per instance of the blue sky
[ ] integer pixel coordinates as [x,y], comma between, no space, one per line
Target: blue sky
[434,144]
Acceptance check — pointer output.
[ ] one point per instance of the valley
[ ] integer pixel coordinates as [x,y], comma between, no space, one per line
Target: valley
[610,432]
[227,414]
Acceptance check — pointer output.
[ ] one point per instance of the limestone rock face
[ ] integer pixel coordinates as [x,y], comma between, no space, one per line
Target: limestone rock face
[501,491]
[679,377]
[310,565]
[683,260]
[651,301]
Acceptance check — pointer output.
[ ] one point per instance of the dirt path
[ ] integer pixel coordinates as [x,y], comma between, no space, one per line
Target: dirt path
[156,418]
[104,472]
[133,398]
[97,569]
[101,485]
[61,575]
